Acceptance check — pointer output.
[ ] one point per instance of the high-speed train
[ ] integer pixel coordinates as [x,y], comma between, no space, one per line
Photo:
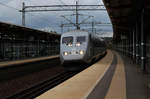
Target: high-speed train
[80,46]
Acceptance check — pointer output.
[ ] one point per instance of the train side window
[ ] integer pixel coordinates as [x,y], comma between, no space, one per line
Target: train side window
[67,40]
[81,39]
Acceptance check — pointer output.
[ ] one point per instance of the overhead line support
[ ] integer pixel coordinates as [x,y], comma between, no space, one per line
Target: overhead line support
[59,8]
[23,14]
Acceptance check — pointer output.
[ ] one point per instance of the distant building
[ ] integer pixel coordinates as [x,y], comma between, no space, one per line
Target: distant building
[48,29]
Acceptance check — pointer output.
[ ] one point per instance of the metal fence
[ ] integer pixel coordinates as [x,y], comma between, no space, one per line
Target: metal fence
[21,49]
[17,42]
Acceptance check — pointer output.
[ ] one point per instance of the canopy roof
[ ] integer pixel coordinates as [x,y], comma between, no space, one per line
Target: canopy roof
[124,13]
[20,31]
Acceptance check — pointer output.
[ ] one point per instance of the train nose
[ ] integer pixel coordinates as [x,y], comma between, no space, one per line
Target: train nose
[73,53]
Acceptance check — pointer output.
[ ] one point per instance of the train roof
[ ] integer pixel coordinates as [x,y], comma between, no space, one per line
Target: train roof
[75,32]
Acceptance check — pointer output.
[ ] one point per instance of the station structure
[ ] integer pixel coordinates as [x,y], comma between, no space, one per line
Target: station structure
[130,20]
[18,42]
[115,75]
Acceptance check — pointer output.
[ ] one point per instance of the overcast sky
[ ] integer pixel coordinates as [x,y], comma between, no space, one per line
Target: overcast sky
[9,13]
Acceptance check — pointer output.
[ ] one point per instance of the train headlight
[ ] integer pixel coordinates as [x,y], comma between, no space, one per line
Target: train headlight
[65,53]
[69,44]
[78,44]
[81,52]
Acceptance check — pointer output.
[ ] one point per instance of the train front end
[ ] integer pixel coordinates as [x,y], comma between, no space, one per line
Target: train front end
[73,47]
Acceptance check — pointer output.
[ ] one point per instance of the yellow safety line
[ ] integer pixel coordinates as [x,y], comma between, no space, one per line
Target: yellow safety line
[105,65]
[2,64]
[79,86]
[117,89]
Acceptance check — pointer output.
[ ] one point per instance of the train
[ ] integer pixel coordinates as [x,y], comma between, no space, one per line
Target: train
[80,46]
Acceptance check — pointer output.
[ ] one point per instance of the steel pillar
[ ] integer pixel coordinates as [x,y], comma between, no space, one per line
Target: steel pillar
[122,49]
[130,45]
[23,14]
[142,42]
[134,46]
[131,48]
[92,27]
[77,17]
[137,43]
[126,46]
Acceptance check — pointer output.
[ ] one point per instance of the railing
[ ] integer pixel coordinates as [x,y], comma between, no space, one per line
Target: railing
[20,49]
[17,42]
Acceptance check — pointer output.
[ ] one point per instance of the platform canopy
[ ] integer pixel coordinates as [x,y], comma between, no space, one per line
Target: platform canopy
[25,32]
[124,13]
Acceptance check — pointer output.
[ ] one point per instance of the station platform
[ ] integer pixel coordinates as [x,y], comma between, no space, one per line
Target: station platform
[23,61]
[113,77]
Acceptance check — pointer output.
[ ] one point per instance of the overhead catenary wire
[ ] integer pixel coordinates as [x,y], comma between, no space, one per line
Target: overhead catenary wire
[8,6]
[6,1]
[16,9]
[3,4]
[38,13]
[42,18]
[62,2]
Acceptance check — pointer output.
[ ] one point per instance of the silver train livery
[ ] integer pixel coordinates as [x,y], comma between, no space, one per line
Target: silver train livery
[80,46]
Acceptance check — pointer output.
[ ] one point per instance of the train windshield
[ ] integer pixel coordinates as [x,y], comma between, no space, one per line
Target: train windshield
[67,40]
[81,39]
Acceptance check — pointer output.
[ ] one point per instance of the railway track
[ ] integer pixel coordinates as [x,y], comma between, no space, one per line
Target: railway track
[41,87]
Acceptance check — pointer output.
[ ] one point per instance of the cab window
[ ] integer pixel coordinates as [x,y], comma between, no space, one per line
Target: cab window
[67,40]
[81,39]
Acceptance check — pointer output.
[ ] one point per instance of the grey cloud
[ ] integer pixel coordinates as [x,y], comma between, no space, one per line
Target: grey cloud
[45,19]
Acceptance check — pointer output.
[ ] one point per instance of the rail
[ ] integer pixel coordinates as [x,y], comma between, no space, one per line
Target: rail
[43,86]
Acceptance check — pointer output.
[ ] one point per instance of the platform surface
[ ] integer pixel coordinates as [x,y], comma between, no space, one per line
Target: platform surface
[79,86]
[113,77]
[10,63]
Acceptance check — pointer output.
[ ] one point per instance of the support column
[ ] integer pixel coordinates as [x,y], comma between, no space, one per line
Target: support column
[134,52]
[61,27]
[142,42]
[131,48]
[23,14]
[124,46]
[126,40]
[137,43]
[130,45]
